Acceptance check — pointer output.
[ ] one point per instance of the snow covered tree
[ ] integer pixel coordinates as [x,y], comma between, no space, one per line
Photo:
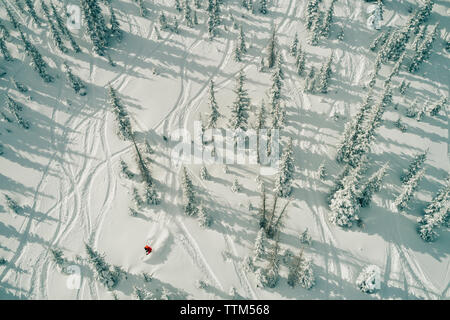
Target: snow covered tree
[241,104]
[305,238]
[379,41]
[326,24]
[178,6]
[189,197]
[121,113]
[188,13]
[37,63]
[283,184]
[58,258]
[30,6]
[423,50]
[140,293]
[54,31]
[214,114]
[75,82]
[300,62]
[211,19]
[415,165]
[20,86]
[204,217]
[295,269]
[16,109]
[324,76]
[409,187]
[11,16]
[372,186]
[259,244]
[95,25]
[315,30]
[395,44]
[312,10]
[438,106]
[114,29]
[163,24]
[294,46]
[124,169]
[419,16]
[412,110]
[142,9]
[367,279]
[310,83]
[306,277]
[321,172]
[108,275]
[271,274]
[137,198]
[63,28]
[4,49]
[236,187]
[204,175]
[436,214]
[344,204]
[4,31]
[242,42]
[272,50]
[13,205]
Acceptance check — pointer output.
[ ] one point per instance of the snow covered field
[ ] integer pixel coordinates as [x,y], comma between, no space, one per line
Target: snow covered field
[64,171]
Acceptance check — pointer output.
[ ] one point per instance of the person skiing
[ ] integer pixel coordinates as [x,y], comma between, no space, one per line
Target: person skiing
[148,249]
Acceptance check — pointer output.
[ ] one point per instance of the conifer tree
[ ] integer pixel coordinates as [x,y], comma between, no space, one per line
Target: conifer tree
[436,214]
[115,31]
[423,51]
[95,25]
[37,63]
[163,21]
[283,184]
[415,165]
[188,13]
[312,9]
[16,109]
[214,114]
[326,24]
[409,187]
[271,50]
[263,7]
[11,16]
[324,76]
[13,205]
[438,106]
[241,104]
[63,28]
[121,113]
[300,62]
[372,186]
[4,49]
[189,197]
[204,218]
[75,82]
[204,175]
[30,6]
[55,33]
[294,46]
[108,275]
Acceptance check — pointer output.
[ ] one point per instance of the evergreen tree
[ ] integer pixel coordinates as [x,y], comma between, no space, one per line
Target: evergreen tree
[37,63]
[4,49]
[395,44]
[189,197]
[30,6]
[271,272]
[315,30]
[310,83]
[239,110]
[423,51]
[236,187]
[294,46]
[379,41]
[4,31]
[55,33]
[324,75]
[16,109]
[95,24]
[11,16]
[214,114]
[326,24]
[305,238]
[178,6]
[137,198]
[312,10]
[259,244]
[271,50]
[409,187]
[63,28]
[438,106]
[142,9]
[163,21]
[283,184]
[115,31]
[204,175]
[372,186]
[415,165]
[188,14]
[300,62]
[436,214]
[344,203]
[306,277]
[108,275]
[75,82]
[125,170]
[13,205]
[242,44]
[121,113]
[203,217]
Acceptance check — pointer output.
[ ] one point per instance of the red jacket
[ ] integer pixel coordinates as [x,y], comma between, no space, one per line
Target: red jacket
[148,249]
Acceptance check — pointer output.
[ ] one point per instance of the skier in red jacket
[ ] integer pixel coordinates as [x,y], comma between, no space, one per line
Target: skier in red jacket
[148,249]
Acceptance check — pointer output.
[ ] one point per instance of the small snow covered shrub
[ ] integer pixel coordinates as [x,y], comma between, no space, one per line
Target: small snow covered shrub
[200,284]
[305,238]
[13,205]
[3,261]
[369,279]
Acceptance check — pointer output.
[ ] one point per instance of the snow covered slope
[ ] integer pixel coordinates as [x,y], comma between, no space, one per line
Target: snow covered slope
[65,170]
